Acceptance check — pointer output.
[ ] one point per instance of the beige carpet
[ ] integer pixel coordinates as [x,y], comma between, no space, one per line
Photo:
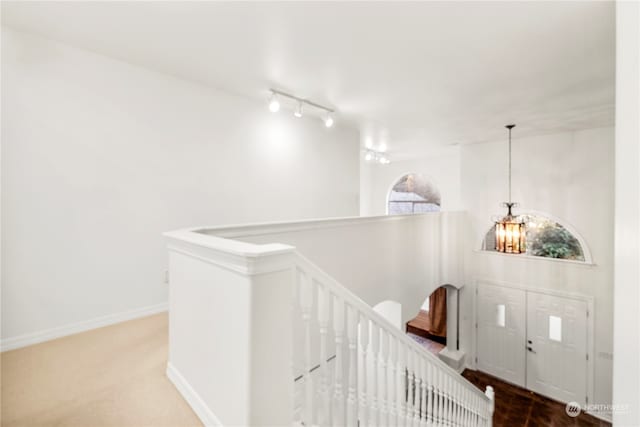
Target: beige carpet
[113,376]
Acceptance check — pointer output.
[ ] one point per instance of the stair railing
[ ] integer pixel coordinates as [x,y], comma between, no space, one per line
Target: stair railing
[357,369]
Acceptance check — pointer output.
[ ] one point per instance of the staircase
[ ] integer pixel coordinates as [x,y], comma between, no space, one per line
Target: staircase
[369,372]
[260,335]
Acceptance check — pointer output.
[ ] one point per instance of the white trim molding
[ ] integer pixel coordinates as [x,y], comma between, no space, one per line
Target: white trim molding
[261,229]
[194,400]
[25,340]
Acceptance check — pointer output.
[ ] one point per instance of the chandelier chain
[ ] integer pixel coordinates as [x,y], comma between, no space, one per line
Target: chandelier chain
[509,165]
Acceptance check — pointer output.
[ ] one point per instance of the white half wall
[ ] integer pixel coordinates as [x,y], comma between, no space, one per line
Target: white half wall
[100,157]
[401,258]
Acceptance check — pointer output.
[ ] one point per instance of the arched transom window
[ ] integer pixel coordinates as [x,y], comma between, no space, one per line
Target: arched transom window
[545,238]
[413,193]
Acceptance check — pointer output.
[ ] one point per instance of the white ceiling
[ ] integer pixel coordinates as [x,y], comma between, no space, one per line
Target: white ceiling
[412,75]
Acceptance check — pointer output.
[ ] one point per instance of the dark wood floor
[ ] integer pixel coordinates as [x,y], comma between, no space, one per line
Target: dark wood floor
[517,407]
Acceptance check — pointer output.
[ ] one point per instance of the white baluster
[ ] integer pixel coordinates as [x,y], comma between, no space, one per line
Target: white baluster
[417,385]
[467,409]
[456,406]
[471,410]
[297,403]
[449,401]
[362,374]
[423,392]
[410,387]
[338,411]
[324,411]
[352,336]
[306,301]
[384,378]
[461,403]
[401,384]
[393,378]
[430,421]
[441,415]
[375,388]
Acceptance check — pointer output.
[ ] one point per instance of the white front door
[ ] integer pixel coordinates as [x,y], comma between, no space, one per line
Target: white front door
[557,347]
[501,332]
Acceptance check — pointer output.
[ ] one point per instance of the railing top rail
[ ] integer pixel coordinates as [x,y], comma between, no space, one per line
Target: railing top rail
[256,229]
[229,246]
[363,307]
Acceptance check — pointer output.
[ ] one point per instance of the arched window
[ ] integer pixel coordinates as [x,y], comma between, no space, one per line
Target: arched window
[413,193]
[545,238]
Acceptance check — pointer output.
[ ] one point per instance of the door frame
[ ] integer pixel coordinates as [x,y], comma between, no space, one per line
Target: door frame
[553,292]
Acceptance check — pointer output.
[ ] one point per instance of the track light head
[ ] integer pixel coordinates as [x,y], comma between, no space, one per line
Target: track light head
[274,103]
[376,156]
[328,120]
[383,160]
[298,111]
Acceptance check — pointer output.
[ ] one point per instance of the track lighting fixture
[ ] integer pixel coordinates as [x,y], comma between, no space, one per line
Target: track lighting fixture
[376,156]
[274,106]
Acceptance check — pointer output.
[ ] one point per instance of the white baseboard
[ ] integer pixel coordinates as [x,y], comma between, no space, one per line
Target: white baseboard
[601,416]
[74,328]
[194,400]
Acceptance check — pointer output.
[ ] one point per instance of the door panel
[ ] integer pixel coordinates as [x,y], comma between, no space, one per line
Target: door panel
[501,332]
[557,337]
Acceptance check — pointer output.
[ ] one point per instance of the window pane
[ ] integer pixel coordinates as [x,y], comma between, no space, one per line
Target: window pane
[501,315]
[400,208]
[425,207]
[555,328]
[413,193]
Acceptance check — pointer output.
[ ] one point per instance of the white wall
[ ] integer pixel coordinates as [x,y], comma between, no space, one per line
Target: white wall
[100,157]
[626,370]
[391,311]
[567,175]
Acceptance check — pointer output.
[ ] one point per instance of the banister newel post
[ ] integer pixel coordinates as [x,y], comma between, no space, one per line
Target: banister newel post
[492,406]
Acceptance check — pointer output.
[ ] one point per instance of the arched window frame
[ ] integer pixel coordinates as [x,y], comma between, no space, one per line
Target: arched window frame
[402,175]
[588,259]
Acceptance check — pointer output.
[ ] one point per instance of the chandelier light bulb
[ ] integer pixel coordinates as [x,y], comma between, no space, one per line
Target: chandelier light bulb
[274,104]
[368,156]
[298,111]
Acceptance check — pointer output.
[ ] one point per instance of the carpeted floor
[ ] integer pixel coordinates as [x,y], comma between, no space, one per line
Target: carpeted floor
[108,377]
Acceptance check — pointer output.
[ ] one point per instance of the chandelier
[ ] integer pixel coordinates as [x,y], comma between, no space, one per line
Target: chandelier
[510,229]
